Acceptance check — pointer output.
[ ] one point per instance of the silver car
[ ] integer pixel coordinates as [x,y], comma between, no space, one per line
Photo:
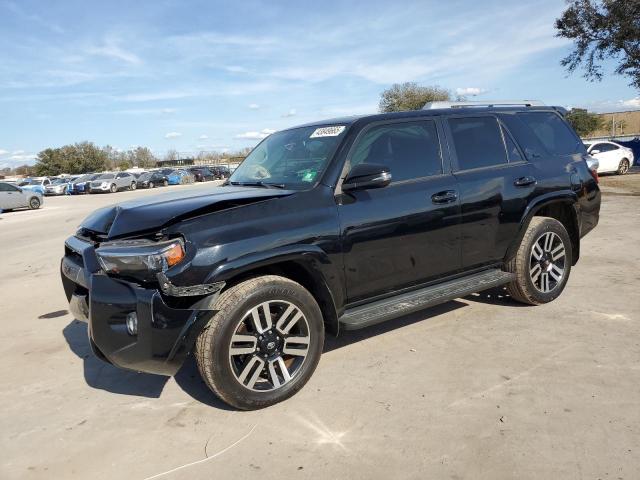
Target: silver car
[12,196]
[112,182]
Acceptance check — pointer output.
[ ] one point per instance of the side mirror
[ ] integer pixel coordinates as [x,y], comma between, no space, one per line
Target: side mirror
[593,152]
[365,176]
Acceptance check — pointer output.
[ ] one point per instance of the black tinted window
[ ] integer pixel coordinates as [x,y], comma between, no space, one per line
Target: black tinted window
[409,149]
[477,141]
[552,132]
[5,187]
[512,150]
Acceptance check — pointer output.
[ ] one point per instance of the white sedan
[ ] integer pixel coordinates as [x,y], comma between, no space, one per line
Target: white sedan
[611,156]
[12,196]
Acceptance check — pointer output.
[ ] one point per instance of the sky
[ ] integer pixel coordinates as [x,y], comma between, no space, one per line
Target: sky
[219,76]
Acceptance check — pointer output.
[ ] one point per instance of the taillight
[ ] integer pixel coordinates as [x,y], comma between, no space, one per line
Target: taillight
[594,174]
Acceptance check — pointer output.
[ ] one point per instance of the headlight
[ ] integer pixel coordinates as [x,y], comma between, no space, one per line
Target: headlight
[141,259]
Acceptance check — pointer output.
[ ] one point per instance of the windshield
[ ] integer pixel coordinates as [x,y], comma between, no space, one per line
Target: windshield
[293,158]
[104,176]
[59,181]
[30,181]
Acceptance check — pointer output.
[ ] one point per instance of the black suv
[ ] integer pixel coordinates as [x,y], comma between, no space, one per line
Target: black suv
[220,172]
[332,225]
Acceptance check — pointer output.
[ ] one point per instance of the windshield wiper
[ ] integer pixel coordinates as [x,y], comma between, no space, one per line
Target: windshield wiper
[259,184]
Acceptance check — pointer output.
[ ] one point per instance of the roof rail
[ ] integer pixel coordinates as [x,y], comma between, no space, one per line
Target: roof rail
[488,103]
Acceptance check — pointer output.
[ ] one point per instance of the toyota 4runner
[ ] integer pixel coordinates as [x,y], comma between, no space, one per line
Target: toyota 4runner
[335,225]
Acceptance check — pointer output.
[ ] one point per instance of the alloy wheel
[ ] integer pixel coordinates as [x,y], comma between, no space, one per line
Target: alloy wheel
[624,167]
[269,345]
[547,262]
[34,203]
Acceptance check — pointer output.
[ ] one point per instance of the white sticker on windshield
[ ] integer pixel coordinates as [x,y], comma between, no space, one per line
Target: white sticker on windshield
[333,131]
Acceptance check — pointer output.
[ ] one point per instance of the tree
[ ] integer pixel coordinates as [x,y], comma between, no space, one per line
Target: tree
[78,158]
[143,157]
[583,122]
[172,155]
[410,96]
[602,29]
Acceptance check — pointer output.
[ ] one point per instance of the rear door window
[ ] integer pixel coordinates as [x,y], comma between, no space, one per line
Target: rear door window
[477,142]
[553,132]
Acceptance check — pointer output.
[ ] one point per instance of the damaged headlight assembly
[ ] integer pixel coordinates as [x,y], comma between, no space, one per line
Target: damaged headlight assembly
[140,259]
[147,261]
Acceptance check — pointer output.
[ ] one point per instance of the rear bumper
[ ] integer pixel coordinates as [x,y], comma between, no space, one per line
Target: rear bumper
[164,336]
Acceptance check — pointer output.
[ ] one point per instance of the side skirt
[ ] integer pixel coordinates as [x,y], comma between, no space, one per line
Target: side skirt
[381,310]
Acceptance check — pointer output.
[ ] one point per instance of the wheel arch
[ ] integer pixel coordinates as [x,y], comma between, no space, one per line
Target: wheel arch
[307,265]
[561,207]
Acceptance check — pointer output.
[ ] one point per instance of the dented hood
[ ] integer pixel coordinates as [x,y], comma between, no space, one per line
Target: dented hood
[152,213]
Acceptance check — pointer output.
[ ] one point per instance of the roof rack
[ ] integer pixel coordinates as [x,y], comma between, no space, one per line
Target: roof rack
[488,103]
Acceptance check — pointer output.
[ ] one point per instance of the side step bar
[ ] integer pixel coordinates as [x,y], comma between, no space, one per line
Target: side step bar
[402,304]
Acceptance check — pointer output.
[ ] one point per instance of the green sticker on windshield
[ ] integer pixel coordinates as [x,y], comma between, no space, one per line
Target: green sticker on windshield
[308,176]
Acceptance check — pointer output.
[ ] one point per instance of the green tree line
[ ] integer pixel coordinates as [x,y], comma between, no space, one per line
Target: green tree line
[86,157]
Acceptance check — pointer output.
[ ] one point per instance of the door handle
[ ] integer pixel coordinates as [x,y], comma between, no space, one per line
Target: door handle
[524,181]
[446,196]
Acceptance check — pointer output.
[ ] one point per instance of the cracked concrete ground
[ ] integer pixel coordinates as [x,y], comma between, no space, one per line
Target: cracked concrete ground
[477,388]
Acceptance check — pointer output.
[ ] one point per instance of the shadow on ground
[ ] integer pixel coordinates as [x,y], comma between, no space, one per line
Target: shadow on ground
[103,376]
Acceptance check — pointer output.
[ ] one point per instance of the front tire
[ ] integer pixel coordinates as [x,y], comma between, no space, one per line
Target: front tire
[113,188]
[151,185]
[263,344]
[542,263]
[623,168]
[34,203]
[133,186]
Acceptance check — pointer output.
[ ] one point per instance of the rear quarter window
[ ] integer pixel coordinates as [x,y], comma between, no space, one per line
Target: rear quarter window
[552,132]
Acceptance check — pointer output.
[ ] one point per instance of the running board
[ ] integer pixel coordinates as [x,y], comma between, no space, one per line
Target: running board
[402,304]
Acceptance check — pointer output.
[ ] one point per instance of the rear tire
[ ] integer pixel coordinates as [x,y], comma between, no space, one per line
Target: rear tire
[542,263]
[623,168]
[133,186]
[250,362]
[151,185]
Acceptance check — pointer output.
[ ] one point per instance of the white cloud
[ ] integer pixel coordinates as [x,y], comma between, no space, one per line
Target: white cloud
[253,106]
[17,152]
[111,49]
[631,103]
[173,135]
[236,69]
[203,137]
[256,135]
[470,91]
[3,152]
[292,112]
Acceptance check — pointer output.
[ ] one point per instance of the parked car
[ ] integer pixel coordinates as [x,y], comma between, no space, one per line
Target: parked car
[37,184]
[180,177]
[112,182]
[202,174]
[59,186]
[152,179]
[221,172]
[81,184]
[333,226]
[611,156]
[166,171]
[13,196]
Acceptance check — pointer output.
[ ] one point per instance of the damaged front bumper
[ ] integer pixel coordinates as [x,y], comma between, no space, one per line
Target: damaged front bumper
[165,335]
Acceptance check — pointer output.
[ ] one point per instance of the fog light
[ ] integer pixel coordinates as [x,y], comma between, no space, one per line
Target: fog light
[132,323]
